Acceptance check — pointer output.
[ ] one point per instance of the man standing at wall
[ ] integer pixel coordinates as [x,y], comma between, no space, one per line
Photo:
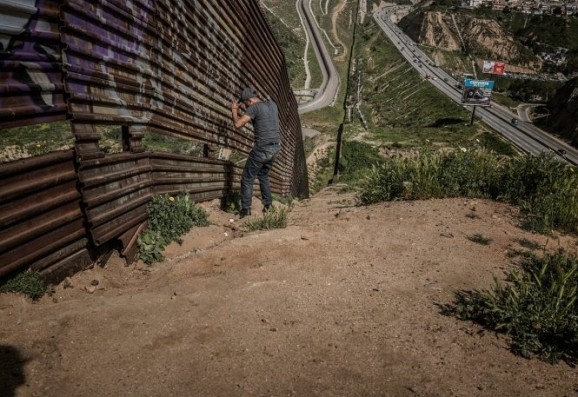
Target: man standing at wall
[265,118]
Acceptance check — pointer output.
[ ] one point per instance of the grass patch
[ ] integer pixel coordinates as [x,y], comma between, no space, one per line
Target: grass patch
[536,307]
[170,144]
[356,159]
[169,219]
[543,187]
[276,218]
[34,140]
[27,282]
[286,200]
[231,203]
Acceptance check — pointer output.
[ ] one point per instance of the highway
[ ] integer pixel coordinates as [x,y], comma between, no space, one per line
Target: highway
[524,135]
[328,90]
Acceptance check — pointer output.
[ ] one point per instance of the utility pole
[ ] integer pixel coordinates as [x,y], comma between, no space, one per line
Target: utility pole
[473,113]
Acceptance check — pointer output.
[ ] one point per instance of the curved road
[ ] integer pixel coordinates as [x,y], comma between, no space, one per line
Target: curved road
[328,90]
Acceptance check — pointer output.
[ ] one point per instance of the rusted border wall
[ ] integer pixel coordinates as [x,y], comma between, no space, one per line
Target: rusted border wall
[203,179]
[173,67]
[115,190]
[41,216]
[166,66]
[56,222]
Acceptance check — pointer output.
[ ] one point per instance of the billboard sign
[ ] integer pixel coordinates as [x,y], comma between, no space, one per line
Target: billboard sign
[494,67]
[477,92]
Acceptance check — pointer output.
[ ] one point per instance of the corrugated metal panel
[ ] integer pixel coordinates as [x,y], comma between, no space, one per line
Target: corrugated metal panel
[31,79]
[41,220]
[204,179]
[167,66]
[115,190]
[174,66]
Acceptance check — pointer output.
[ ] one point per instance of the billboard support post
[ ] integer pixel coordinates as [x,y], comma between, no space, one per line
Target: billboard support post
[473,113]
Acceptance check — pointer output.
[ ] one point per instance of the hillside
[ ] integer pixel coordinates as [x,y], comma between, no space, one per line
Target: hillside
[463,34]
[563,108]
[343,302]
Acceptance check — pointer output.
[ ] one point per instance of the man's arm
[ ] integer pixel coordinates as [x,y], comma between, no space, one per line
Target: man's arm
[238,121]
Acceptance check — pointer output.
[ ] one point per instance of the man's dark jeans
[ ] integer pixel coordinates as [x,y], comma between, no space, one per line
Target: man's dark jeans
[258,165]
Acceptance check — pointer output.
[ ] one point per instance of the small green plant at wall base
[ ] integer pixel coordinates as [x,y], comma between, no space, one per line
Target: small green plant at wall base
[170,217]
[151,246]
[274,219]
[173,216]
[27,282]
[231,203]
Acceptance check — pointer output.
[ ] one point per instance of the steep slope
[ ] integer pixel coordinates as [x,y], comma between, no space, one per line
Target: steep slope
[437,32]
[487,39]
[563,108]
[343,302]
[466,34]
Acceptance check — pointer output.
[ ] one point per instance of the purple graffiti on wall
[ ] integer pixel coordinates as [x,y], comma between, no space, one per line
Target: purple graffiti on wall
[30,61]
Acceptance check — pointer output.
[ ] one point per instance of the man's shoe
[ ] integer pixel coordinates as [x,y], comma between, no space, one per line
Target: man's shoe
[267,208]
[245,212]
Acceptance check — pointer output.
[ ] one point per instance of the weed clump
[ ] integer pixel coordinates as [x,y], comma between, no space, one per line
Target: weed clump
[536,306]
[276,218]
[27,282]
[543,187]
[170,217]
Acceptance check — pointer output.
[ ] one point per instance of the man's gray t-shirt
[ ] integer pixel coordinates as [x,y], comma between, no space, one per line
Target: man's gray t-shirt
[265,119]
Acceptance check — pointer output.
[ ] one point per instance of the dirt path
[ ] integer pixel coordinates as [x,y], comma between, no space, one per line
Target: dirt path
[334,15]
[343,302]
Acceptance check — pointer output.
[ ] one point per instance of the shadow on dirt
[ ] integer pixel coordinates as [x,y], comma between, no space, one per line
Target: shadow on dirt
[11,370]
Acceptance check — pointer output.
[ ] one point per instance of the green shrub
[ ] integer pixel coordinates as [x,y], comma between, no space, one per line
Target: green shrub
[169,219]
[543,187]
[151,246]
[172,216]
[356,159]
[536,307]
[27,282]
[287,200]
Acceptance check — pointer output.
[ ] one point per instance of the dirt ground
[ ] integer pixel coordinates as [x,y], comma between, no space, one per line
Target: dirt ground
[342,302]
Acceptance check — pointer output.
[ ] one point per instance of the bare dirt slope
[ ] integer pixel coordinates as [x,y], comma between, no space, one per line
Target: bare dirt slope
[343,302]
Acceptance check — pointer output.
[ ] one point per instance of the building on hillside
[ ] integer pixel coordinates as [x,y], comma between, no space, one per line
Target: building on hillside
[472,3]
[552,7]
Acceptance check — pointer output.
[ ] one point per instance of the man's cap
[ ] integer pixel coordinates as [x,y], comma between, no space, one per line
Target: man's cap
[247,93]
